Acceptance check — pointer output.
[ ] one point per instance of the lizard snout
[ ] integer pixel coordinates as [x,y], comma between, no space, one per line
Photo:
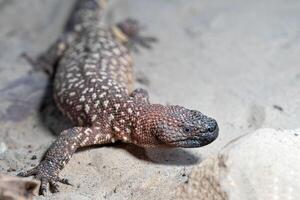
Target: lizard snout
[212,131]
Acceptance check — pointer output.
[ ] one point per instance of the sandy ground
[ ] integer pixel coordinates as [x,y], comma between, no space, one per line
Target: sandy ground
[237,61]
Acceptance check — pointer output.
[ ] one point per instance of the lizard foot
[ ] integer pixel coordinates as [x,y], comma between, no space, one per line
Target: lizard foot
[47,175]
[140,94]
[38,64]
[131,28]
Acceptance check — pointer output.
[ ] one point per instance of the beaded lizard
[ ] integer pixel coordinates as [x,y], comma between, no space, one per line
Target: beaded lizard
[93,88]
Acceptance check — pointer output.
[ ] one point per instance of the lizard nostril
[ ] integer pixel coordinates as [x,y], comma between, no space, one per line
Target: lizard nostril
[212,126]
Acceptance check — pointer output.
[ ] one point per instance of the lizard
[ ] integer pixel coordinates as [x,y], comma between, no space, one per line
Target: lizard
[92,72]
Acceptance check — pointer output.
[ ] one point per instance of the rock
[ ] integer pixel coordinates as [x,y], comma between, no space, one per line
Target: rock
[17,188]
[260,165]
[3,147]
[201,180]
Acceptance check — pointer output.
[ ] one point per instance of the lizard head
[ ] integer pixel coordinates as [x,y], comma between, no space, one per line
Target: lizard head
[175,126]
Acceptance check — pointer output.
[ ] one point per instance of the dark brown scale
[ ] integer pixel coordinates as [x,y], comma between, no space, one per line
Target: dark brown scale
[93,88]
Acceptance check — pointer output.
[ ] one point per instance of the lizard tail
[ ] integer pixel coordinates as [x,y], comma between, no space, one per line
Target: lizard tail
[85,13]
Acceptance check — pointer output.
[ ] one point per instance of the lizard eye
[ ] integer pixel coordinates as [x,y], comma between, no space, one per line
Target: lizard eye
[187,129]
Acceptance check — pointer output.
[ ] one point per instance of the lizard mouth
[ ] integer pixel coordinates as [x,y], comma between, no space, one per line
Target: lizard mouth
[188,143]
[197,141]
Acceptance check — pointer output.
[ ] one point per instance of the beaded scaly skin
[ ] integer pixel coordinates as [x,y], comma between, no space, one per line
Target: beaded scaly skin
[93,88]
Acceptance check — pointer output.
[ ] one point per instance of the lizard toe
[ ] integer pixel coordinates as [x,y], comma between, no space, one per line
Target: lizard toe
[54,187]
[47,176]
[30,172]
[145,41]
[64,181]
[44,186]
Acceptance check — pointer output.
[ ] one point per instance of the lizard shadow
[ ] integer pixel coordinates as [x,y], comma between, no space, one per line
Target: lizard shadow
[161,156]
[49,114]
[32,93]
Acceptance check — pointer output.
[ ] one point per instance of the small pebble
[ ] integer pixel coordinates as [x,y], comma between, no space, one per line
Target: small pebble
[277,107]
[11,169]
[3,147]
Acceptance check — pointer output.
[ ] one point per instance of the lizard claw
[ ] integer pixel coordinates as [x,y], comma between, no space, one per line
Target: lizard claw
[54,186]
[143,41]
[43,187]
[140,94]
[38,64]
[64,181]
[47,175]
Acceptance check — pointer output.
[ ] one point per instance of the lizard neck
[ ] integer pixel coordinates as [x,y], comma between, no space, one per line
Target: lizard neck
[140,122]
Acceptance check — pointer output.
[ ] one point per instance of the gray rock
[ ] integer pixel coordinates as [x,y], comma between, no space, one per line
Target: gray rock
[260,165]
[3,148]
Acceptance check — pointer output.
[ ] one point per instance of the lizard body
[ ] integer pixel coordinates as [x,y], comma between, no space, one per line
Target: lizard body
[93,88]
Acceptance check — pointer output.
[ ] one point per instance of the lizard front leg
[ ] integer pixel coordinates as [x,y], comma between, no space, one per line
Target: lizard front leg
[60,152]
[140,94]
